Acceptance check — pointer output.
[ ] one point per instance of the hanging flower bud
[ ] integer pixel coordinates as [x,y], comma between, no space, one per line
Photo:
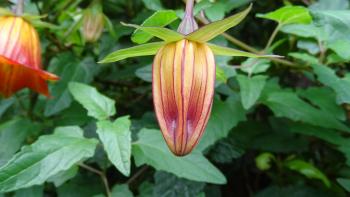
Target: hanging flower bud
[20,58]
[93,22]
[183,89]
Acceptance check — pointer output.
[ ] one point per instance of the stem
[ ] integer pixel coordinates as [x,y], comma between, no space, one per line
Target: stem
[189,7]
[101,174]
[137,174]
[322,52]
[19,7]
[272,38]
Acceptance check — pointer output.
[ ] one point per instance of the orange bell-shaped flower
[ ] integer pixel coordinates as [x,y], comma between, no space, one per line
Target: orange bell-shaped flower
[20,58]
[183,89]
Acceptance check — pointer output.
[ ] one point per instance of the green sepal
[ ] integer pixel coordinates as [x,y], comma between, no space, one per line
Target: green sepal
[165,34]
[214,29]
[225,51]
[136,51]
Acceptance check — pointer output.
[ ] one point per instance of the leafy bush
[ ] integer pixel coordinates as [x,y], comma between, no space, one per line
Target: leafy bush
[278,127]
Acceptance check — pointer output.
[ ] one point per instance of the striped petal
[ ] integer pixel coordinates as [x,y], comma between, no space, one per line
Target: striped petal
[20,58]
[183,89]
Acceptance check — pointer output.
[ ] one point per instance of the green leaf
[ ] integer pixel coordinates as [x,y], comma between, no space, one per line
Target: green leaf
[69,68]
[225,51]
[263,161]
[160,18]
[341,48]
[255,66]
[98,105]
[121,190]
[36,191]
[171,186]
[330,5]
[64,176]
[116,140]
[324,98]
[220,123]
[12,135]
[153,4]
[136,51]
[289,15]
[307,170]
[327,76]
[345,183]
[305,57]
[216,11]
[287,104]
[306,31]
[251,88]
[46,157]
[151,149]
[214,29]
[5,104]
[163,33]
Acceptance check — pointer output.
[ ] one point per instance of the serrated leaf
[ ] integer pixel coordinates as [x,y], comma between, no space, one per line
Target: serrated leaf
[46,157]
[98,105]
[327,76]
[225,51]
[151,149]
[216,28]
[251,88]
[116,140]
[289,15]
[136,51]
[160,18]
[307,170]
[165,34]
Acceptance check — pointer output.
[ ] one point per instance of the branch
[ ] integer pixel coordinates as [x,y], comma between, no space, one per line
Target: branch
[101,174]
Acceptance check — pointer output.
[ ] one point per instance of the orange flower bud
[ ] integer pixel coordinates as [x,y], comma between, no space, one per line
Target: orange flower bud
[183,89]
[93,23]
[20,58]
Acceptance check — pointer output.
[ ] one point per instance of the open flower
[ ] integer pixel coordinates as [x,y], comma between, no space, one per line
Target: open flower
[20,58]
[183,75]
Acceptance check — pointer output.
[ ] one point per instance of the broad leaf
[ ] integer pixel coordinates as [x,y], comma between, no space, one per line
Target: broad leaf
[214,29]
[287,104]
[64,176]
[153,4]
[289,15]
[49,155]
[251,88]
[307,170]
[220,123]
[165,34]
[327,76]
[12,135]
[160,18]
[345,183]
[342,48]
[121,190]
[136,51]
[98,105]
[151,149]
[36,191]
[116,140]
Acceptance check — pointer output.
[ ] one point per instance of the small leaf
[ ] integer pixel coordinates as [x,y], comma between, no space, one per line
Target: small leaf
[98,105]
[289,15]
[140,50]
[121,190]
[263,161]
[214,29]
[251,88]
[151,149]
[225,51]
[308,170]
[48,156]
[345,183]
[341,47]
[165,34]
[153,4]
[116,140]
[160,18]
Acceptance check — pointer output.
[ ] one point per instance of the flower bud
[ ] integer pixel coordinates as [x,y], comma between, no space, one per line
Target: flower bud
[183,89]
[20,58]
[93,23]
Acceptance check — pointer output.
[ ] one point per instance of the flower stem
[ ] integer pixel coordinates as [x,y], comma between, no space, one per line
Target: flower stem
[19,7]
[188,24]
[189,7]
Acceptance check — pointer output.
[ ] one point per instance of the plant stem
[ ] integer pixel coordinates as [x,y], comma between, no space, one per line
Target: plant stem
[272,38]
[322,52]
[137,174]
[19,7]
[101,174]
